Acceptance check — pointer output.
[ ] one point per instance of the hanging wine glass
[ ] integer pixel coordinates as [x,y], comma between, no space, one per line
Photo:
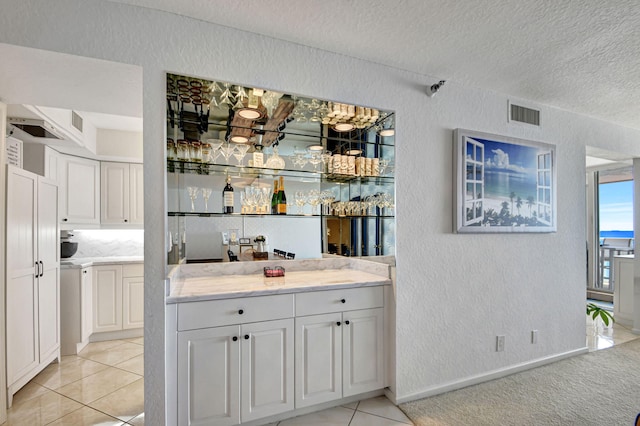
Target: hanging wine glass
[226,98]
[241,93]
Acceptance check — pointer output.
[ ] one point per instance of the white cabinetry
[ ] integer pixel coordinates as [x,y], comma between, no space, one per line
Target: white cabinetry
[242,360]
[32,280]
[241,370]
[118,297]
[121,193]
[623,289]
[339,353]
[79,181]
[76,317]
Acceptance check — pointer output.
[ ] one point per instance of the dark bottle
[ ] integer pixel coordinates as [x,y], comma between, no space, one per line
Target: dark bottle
[282,198]
[274,198]
[227,197]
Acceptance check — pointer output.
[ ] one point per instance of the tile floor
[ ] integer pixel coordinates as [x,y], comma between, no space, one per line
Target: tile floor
[600,336]
[102,385]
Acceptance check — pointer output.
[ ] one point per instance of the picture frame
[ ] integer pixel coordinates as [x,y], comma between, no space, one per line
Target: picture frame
[503,184]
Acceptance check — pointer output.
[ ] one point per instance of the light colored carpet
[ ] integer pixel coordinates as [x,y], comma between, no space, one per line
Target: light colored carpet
[598,388]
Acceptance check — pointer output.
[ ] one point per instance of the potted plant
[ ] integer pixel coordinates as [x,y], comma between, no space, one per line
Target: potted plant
[596,311]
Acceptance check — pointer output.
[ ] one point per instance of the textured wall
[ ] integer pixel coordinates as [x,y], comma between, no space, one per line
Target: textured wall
[454,292]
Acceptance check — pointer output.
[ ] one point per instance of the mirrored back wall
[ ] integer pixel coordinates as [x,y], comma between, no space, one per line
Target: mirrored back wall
[335,162]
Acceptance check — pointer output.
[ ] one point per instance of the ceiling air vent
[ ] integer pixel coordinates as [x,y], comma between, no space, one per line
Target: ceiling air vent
[524,115]
[76,121]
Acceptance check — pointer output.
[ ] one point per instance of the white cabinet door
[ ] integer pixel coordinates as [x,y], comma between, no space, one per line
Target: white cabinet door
[132,302]
[267,368]
[79,180]
[208,376]
[22,270]
[49,274]
[114,193]
[318,359]
[363,352]
[122,193]
[86,302]
[136,194]
[107,298]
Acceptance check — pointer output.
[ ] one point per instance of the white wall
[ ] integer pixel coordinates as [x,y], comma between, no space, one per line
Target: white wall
[109,242]
[454,292]
[119,144]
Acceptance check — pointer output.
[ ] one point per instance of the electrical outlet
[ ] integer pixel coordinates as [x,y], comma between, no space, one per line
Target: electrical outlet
[534,337]
[499,343]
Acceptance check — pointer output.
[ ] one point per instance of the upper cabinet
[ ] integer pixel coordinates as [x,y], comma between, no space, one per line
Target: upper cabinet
[334,159]
[121,193]
[79,182]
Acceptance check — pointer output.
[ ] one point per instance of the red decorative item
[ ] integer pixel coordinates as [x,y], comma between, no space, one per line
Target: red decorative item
[276,271]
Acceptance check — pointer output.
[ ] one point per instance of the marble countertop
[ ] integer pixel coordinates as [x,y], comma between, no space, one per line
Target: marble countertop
[85,262]
[189,283]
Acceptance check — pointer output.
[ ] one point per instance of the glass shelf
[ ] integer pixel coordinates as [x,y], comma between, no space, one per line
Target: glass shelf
[210,214]
[189,167]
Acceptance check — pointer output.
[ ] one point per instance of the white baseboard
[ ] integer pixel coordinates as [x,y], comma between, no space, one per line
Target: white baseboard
[485,377]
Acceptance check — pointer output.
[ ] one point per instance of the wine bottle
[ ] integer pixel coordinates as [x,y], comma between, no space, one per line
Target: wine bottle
[282,198]
[274,198]
[227,197]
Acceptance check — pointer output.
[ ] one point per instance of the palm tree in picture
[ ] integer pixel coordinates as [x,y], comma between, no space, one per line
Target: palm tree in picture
[511,197]
[519,203]
[530,203]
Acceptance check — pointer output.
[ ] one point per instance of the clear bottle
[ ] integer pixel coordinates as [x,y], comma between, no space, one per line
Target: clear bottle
[227,197]
[282,198]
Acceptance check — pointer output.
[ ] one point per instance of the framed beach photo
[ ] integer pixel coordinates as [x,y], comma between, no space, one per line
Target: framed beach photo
[503,184]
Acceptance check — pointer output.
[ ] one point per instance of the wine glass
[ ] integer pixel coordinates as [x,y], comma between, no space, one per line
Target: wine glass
[299,157]
[227,150]
[240,152]
[215,148]
[300,198]
[193,194]
[206,193]
[313,198]
[315,155]
[327,198]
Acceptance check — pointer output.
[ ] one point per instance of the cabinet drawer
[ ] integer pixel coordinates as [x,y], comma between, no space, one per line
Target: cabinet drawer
[132,270]
[213,313]
[319,302]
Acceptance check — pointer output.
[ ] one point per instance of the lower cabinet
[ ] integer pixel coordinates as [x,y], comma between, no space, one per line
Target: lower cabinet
[235,373]
[338,355]
[118,297]
[240,360]
[76,309]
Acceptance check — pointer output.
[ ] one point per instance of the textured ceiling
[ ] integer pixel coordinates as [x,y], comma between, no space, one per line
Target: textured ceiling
[582,56]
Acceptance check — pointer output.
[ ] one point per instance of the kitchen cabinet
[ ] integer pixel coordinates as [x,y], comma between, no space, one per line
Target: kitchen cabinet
[118,297]
[241,370]
[32,277]
[245,359]
[122,193]
[623,289]
[79,181]
[338,353]
[345,178]
[76,317]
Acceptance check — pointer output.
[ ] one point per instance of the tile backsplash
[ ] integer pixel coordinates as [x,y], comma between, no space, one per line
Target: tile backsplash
[108,242]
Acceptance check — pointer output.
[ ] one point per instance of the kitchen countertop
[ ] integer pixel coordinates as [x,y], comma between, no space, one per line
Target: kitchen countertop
[189,283]
[85,262]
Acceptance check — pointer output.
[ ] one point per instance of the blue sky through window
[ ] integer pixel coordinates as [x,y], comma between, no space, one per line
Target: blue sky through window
[616,206]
